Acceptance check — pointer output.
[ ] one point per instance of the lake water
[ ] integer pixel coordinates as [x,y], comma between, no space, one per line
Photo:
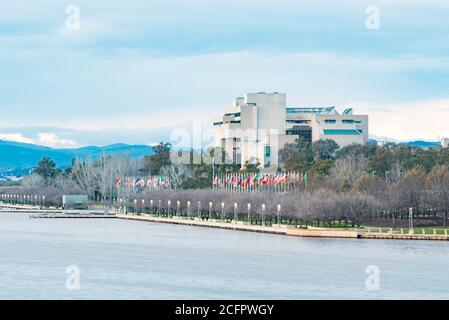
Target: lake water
[120,259]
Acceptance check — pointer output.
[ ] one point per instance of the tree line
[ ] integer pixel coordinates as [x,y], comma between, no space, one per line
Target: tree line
[351,185]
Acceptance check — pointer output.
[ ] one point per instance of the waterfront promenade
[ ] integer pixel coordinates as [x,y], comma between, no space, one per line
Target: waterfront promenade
[280,229]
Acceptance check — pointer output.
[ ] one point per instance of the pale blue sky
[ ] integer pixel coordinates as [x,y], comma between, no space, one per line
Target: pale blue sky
[151,64]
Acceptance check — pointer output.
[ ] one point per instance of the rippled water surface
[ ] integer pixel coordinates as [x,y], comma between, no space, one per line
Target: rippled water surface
[121,259]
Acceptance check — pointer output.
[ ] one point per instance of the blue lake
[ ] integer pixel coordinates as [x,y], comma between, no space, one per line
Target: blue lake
[120,259]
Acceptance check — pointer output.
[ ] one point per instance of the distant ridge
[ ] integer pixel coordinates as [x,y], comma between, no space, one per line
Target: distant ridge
[422,144]
[413,143]
[23,155]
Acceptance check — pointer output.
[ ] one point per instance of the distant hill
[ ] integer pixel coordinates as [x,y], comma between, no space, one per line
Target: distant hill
[422,144]
[414,143]
[23,155]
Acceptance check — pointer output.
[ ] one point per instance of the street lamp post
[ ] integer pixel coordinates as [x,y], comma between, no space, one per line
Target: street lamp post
[143,206]
[222,211]
[235,212]
[199,209]
[210,210]
[279,214]
[249,212]
[178,205]
[410,215]
[263,214]
[169,205]
[188,208]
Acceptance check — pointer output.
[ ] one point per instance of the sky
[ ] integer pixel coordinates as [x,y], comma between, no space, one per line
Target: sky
[134,70]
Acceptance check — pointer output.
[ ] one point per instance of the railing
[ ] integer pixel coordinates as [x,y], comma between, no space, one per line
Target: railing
[406,231]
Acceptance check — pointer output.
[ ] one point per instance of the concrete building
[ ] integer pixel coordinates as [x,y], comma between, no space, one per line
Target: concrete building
[445,142]
[259,124]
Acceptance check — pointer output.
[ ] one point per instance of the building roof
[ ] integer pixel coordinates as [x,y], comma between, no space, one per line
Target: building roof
[314,110]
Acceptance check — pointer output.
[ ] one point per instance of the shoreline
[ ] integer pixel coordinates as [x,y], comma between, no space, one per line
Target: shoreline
[285,230]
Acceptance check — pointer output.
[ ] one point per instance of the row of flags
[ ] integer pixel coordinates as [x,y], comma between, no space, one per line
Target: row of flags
[244,182]
[150,183]
[260,181]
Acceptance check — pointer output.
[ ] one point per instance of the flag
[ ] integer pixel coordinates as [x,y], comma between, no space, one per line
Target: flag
[266,179]
[118,183]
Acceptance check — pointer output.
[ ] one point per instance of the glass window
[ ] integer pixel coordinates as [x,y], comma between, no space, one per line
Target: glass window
[342,132]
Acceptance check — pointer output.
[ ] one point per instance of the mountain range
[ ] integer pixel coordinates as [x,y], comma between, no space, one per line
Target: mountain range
[23,155]
[18,155]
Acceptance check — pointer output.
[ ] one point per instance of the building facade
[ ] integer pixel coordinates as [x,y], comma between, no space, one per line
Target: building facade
[259,124]
[445,142]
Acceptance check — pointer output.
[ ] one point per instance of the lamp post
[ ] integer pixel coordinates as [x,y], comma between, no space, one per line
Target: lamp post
[199,209]
[178,205]
[159,208]
[135,206]
[249,212]
[222,211]
[410,215]
[143,206]
[151,206]
[235,212]
[210,209]
[263,214]
[188,208]
[279,214]
[168,206]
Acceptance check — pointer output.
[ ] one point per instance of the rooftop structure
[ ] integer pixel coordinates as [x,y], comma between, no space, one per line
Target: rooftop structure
[259,124]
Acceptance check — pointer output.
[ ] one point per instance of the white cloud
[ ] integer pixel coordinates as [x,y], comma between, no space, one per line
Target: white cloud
[417,120]
[52,140]
[17,137]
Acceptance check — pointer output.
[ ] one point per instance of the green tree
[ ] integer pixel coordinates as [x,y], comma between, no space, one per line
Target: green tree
[297,156]
[324,149]
[46,168]
[367,150]
[160,158]
[382,161]
[322,167]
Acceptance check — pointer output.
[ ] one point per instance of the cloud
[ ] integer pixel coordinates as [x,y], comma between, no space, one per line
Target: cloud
[416,120]
[17,137]
[52,140]
[137,66]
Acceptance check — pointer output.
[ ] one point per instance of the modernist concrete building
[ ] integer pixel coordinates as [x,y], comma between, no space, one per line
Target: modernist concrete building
[259,124]
[445,142]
